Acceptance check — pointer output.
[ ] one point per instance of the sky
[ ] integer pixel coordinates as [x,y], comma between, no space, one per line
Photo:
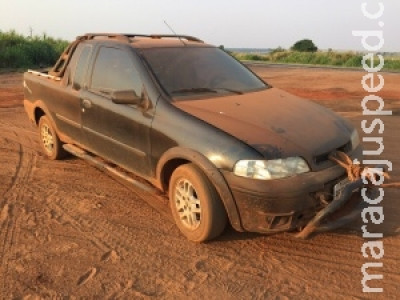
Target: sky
[234,23]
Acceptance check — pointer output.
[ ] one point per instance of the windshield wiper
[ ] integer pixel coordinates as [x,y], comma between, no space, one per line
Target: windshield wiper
[230,90]
[194,90]
[206,90]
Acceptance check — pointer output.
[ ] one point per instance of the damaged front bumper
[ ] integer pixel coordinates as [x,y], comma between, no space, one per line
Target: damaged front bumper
[338,212]
[303,203]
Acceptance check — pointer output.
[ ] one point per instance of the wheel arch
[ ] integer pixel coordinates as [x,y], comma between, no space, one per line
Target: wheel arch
[177,156]
[37,114]
[41,110]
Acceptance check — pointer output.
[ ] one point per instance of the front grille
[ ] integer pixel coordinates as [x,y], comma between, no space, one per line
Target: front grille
[319,159]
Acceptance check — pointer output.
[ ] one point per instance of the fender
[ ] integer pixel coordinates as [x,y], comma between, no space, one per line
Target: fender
[213,174]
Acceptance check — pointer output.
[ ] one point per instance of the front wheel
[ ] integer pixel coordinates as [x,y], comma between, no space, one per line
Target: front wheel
[49,140]
[195,204]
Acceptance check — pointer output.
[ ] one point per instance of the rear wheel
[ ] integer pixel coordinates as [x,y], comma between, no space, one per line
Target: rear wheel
[49,140]
[195,204]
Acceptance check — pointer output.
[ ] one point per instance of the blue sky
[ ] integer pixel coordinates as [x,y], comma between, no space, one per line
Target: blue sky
[234,23]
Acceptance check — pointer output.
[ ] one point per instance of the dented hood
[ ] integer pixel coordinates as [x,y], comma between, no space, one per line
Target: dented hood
[274,122]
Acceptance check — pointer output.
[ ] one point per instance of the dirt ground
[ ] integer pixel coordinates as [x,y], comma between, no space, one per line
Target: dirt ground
[67,229]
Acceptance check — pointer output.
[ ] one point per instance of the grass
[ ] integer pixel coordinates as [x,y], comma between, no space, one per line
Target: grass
[347,59]
[18,51]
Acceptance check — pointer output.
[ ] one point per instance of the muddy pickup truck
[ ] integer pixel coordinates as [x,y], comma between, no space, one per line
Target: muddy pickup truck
[201,127]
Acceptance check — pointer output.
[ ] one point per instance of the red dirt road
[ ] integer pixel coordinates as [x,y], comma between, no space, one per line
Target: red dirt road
[67,229]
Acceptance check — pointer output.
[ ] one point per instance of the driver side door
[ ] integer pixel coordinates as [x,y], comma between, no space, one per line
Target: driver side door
[118,132]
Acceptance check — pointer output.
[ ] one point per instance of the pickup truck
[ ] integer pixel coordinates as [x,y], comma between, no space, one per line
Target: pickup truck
[201,127]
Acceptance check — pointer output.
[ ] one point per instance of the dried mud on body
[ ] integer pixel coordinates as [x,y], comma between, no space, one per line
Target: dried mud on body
[67,229]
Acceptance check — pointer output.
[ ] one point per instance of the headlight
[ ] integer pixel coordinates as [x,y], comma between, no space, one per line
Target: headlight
[355,139]
[271,169]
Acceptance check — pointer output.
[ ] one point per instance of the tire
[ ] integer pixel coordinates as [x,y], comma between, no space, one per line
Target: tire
[195,204]
[49,141]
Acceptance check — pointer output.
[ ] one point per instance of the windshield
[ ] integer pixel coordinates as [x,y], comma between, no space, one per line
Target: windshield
[192,71]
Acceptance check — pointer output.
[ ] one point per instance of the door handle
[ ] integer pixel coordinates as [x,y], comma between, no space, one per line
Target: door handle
[86,103]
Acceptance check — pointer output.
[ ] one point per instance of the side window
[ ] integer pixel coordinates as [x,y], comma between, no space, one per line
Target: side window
[81,67]
[114,70]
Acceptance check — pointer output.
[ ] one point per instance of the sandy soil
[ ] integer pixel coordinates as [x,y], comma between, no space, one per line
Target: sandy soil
[67,229]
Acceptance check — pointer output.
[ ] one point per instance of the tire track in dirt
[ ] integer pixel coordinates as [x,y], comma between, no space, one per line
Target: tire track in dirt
[63,216]
[106,235]
[119,244]
[27,138]
[23,142]
[14,176]
[12,204]
[114,241]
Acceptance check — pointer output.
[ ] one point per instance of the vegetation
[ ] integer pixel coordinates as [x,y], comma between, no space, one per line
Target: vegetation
[304,46]
[328,58]
[17,51]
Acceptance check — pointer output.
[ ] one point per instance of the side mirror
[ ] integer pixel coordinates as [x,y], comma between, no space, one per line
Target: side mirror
[125,97]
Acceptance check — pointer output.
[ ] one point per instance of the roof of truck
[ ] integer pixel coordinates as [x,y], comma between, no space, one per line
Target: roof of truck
[147,41]
[135,40]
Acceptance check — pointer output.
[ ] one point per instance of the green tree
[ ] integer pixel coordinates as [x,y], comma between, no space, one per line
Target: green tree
[305,45]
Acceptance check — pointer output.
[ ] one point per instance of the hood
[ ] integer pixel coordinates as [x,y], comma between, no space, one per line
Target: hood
[274,122]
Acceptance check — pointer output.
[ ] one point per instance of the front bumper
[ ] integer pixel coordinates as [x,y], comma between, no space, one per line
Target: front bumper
[292,203]
[337,213]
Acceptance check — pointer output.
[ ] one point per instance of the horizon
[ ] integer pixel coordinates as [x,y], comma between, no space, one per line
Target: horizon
[255,49]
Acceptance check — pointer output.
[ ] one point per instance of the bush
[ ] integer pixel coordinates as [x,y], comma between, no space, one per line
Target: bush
[329,58]
[353,61]
[279,56]
[279,49]
[392,64]
[253,57]
[17,51]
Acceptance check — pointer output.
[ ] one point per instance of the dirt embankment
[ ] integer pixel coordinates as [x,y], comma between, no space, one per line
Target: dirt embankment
[67,229]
